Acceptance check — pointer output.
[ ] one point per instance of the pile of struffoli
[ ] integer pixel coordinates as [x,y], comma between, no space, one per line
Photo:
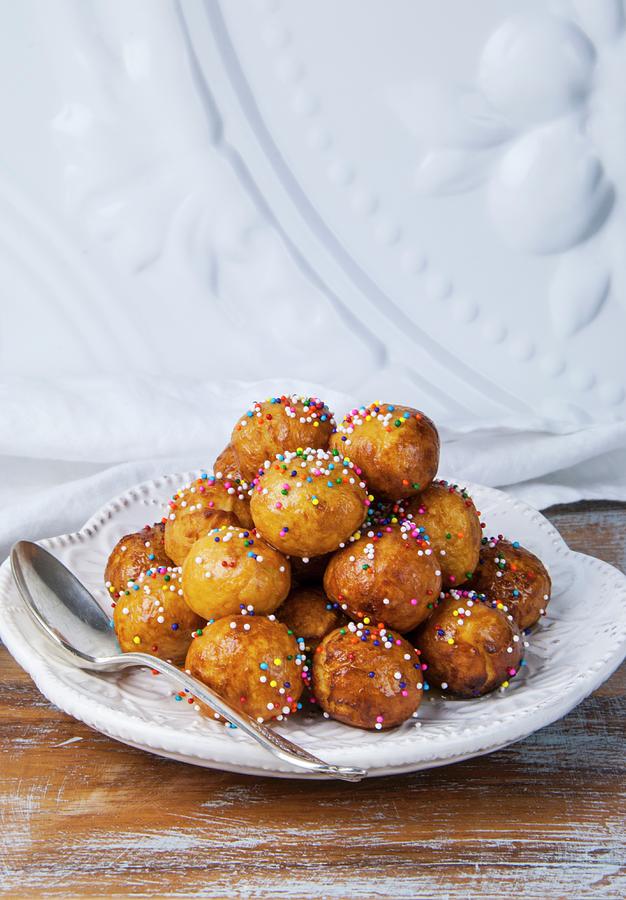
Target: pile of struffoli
[323,566]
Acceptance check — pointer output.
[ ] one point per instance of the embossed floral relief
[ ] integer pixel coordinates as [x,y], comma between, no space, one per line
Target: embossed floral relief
[542,132]
[150,176]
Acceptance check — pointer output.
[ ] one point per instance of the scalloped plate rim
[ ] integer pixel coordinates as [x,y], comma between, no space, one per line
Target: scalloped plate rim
[239,756]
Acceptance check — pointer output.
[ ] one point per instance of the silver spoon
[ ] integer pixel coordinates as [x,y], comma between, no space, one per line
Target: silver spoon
[62,606]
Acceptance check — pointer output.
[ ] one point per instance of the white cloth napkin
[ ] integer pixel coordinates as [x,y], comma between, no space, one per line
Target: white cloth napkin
[69,445]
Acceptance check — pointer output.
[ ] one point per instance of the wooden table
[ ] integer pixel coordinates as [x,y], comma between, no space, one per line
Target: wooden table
[82,815]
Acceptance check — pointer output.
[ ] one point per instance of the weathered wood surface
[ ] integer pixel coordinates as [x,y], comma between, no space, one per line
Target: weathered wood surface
[81,815]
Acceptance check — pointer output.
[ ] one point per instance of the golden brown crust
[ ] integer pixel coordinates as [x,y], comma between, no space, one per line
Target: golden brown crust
[132,555]
[205,503]
[307,504]
[470,646]
[396,447]
[389,576]
[250,661]
[152,617]
[515,577]
[227,463]
[452,525]
[279,424]
[233,568]
[373,683]
[310,615]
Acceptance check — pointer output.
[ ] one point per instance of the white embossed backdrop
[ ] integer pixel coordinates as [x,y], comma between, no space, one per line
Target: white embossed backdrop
[205,202]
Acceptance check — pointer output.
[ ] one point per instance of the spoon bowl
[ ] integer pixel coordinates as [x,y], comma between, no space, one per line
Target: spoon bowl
[63,606]
[82,634]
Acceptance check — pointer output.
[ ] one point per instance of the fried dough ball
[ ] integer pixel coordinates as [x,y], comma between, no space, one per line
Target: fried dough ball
[451,522]
[132,555]
[309,502]
[279,424]
[227,463]
[470,646]
[231,569]
[310,615]
[510,574]
[309,570]
[389,576]
[203,504]
[366,677]
[396,447]
[250,661]
[153,616]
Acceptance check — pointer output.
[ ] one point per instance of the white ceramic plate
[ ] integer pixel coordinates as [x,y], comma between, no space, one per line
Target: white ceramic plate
[574,649]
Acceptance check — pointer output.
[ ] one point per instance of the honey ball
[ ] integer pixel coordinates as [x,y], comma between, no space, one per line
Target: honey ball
[231,569]
[451,523]
[205,503]
[388,576]
[396,447]
[277,425]
[470,646]
[309,502]
[152,616]
[510,574]
[250,661]
[132,555]
[310,615]
[367,677]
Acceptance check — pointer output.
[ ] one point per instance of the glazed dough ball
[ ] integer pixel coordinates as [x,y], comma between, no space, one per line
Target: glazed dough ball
[206,503]
[470,646]
[511,575]
[452,526]
[152,616]
[309,570]
[250,661]
[231,569]
[279,424]
[132,555]
[308,503]
[310,615]
[366,677]
[396,447]
[388,576]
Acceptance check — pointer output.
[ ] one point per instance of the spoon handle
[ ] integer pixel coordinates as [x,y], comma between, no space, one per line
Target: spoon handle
[280,746]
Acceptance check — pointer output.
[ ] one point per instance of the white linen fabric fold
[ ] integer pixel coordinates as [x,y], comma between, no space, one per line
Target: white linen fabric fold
[69,445]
